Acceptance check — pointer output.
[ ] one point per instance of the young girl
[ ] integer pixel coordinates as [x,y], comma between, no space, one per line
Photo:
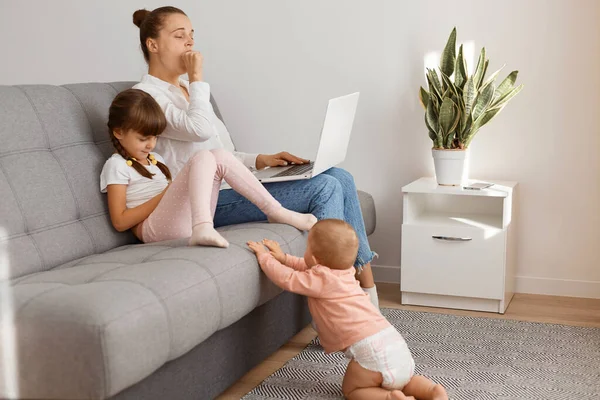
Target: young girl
[381,366]
[143,197]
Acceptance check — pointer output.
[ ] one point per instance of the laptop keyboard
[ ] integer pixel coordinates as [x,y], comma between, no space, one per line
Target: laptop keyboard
[295,170]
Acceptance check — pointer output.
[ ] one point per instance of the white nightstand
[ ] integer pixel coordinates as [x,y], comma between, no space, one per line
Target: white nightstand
[458,246]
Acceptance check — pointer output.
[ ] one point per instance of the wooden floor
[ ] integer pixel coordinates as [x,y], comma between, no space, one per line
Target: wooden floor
[523,307]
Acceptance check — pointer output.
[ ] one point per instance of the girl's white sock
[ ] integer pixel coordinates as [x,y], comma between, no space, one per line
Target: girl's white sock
[299,221]
[205,235]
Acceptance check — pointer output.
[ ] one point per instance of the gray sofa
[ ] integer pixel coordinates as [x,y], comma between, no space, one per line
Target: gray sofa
[97,314]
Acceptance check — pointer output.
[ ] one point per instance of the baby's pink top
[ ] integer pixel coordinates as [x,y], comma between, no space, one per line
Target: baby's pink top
[340,308]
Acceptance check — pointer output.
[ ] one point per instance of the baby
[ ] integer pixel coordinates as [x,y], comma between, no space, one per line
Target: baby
[381,366]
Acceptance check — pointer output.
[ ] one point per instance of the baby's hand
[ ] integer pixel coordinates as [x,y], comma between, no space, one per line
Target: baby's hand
[275,249]
[257,248]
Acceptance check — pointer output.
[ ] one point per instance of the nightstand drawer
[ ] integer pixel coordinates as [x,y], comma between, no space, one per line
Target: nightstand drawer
[453,261]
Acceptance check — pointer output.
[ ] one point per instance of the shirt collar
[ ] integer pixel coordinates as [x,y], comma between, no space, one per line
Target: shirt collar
[165,85]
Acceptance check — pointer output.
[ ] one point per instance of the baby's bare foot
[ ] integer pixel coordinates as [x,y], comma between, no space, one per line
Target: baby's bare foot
[398,395]
[439,393]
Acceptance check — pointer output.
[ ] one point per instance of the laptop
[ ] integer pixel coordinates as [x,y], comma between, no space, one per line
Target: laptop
[333,144]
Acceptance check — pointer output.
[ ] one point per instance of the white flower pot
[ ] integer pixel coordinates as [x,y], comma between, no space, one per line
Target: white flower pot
[451,166]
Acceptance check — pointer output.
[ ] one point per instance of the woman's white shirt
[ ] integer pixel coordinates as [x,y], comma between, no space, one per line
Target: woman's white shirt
[139,188]
[191,126]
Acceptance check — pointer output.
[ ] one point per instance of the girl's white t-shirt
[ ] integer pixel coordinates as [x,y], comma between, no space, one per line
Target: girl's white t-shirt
[139,188]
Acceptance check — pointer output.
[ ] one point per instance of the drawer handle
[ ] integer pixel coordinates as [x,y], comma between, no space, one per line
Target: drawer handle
[452,238]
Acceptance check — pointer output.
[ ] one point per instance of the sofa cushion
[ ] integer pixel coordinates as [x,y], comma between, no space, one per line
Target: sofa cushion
[100,324]
[54,143]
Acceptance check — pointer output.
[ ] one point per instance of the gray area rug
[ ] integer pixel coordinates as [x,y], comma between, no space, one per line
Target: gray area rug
[474,358]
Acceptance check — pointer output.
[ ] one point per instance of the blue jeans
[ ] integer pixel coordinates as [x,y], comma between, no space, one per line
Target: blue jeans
[331,194]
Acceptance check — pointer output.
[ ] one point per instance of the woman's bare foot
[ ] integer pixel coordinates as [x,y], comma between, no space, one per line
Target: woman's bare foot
[299,221]
[206,235]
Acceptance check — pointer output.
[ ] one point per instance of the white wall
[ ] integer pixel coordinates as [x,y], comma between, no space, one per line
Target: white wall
[273,64]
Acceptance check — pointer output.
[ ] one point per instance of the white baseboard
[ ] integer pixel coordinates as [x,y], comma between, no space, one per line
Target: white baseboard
[523,284]
[558,287]
[383,273]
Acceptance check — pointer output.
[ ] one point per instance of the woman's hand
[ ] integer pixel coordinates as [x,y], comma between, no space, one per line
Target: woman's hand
[278,160]
[275,250]
[257,248]
[193,63]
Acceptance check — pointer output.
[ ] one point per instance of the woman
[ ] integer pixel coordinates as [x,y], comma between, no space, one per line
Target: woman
[167,40]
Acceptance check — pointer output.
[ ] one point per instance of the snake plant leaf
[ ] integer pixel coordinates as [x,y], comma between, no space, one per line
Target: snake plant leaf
[456,119]
[424,97]
[479,71]
[501,102]
[447,115]
[456,99]
[432,134]
[506,85]
[434,81]
[436,103]
[483,101]
[433,93]
[432,117]
[481,121]
[464,130]
[446,94]
[469,95]
[448,83]
[449,55]
[448,141]
[485,118]
[433,137]
[433,122]
[434,90]
[460,70]
[461,102]
[485,68]
[427,122]
[492,78]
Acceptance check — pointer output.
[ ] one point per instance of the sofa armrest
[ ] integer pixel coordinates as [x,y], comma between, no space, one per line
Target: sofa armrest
[367,206]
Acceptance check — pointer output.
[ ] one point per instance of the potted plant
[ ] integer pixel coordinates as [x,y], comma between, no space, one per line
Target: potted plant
[457,105]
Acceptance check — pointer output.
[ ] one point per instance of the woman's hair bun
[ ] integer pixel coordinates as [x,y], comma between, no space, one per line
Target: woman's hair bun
[139,16]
